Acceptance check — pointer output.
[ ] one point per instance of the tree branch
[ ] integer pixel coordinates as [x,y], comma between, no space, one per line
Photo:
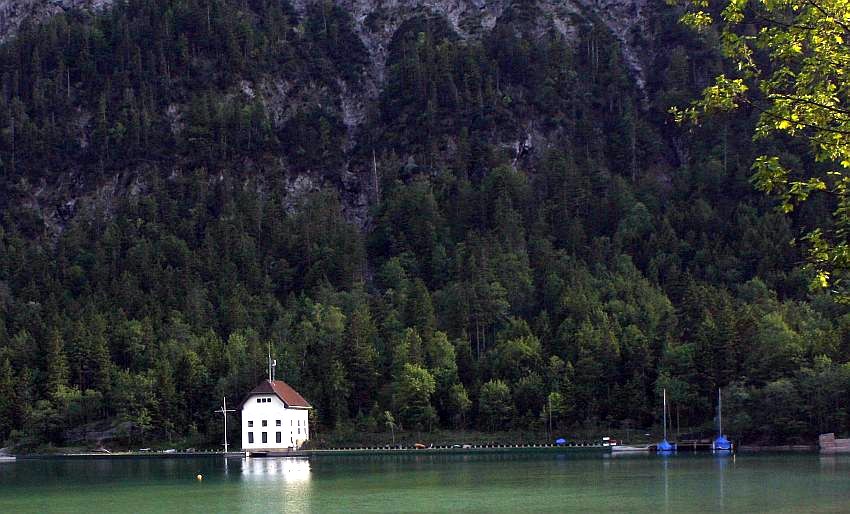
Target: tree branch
[804,124]
[833,17]
[809,102]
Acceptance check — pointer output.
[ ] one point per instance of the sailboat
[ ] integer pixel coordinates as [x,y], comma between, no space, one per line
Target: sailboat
[664,445]
[720,443]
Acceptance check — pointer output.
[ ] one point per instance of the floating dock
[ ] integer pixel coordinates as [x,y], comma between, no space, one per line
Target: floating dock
[436,450]
[346,451]
[692,446]
[830,444]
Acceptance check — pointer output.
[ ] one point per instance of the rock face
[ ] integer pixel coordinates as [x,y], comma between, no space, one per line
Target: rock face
[15,12]
[376,23]
[627,21]
[378,20]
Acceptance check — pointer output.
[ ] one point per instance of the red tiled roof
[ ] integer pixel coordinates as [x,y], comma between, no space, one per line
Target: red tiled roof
[282,390]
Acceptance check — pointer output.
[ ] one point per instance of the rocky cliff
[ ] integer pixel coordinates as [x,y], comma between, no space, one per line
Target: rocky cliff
[14,13]
[376,24]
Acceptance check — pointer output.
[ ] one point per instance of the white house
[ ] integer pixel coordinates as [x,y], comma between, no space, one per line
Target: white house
[274,418]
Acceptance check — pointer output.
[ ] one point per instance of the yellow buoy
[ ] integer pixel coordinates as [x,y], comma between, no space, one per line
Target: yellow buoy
[200,477]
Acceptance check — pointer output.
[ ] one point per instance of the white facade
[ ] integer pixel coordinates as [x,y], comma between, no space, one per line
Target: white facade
[268,424]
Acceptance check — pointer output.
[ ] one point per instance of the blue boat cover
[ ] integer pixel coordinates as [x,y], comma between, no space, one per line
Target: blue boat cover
[561,441]
[721,443]
[664,446]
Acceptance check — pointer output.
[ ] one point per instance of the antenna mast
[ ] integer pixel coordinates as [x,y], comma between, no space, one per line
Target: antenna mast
[224,410]
[272,364]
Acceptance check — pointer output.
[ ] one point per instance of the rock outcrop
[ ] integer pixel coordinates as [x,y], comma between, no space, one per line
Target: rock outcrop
[13,13]
[378,20]
[376,23]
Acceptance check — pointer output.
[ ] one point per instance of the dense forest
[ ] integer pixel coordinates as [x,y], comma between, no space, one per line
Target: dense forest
[485,287]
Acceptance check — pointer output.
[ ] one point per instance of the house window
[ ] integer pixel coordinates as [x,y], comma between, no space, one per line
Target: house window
[277,438]
[277,424]
[250,437]
[250,423]
[265,437]
[291,441]
[299,431]
[265,422]
[259,400]
[290,422]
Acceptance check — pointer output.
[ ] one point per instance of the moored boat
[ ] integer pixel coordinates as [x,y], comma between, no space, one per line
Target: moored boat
[622,448]
[720,444]
[665,446]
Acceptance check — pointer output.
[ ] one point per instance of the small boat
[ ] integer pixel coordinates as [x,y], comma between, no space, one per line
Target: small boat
[720,444]
[664,446]
[8,458]
[633,449]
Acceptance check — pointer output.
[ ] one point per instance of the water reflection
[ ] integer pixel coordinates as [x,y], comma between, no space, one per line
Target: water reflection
[288,469]
[666,462]
[827,463]
[275,485]
[722,460]
[496,484]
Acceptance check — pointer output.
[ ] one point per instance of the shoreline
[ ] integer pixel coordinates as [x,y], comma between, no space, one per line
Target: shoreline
[331,452]
[374,451]
[779,448]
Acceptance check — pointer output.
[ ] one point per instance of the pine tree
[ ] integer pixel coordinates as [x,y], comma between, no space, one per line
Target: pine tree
[362,360]
[57,364]
[8,399]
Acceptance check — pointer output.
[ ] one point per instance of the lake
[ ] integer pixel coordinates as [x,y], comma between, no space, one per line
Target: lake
[511,483]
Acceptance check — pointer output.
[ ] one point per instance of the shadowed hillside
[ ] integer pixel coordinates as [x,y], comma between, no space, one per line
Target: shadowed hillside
[452,213]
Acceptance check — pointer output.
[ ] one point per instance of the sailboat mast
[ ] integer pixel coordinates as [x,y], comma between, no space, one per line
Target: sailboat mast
[664,411]
[720,411]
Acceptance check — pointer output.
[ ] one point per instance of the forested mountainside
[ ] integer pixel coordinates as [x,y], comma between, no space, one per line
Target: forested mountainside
[455,213]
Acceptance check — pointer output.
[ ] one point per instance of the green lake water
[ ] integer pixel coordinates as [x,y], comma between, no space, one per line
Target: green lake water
[509,483]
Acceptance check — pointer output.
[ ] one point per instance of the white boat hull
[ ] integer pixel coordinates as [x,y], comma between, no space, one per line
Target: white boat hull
[622,448]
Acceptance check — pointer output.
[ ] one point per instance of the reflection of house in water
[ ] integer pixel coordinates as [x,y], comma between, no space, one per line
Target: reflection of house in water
[289,470]
[272,484]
